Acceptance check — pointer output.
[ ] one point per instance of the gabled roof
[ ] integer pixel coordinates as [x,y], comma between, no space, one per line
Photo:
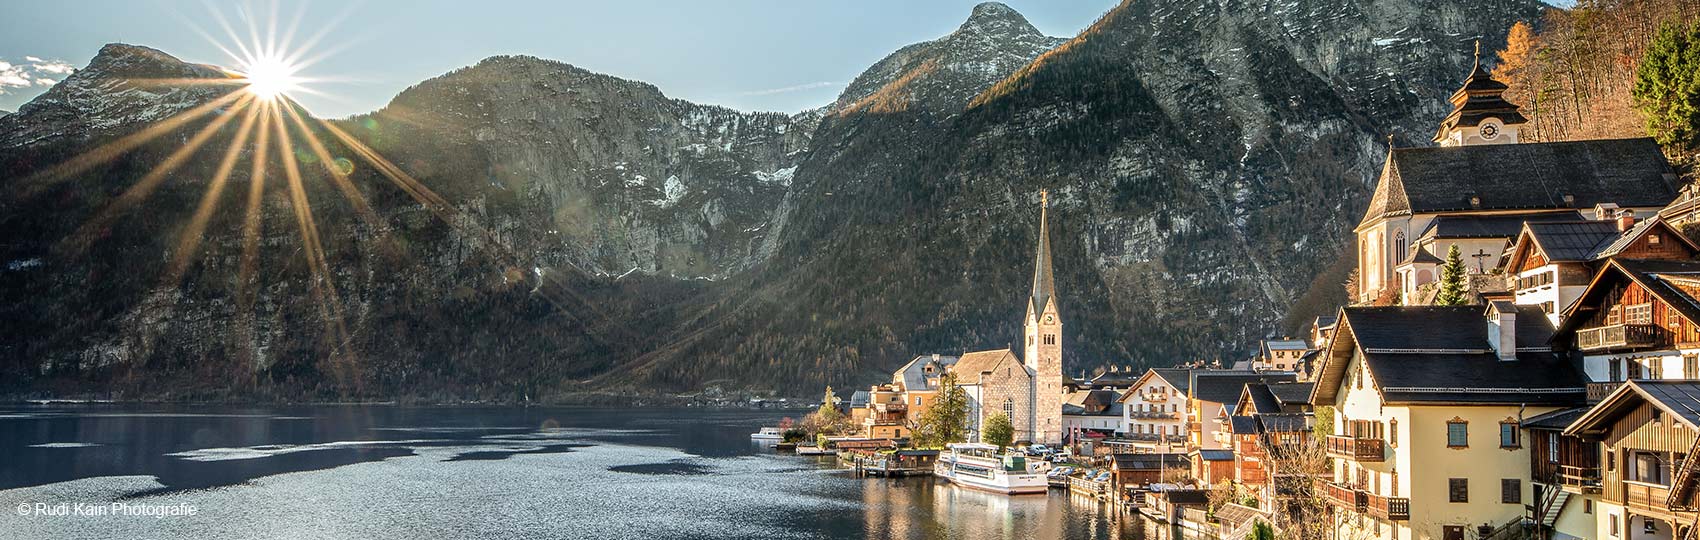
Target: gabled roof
[1222,386]
[1093,403]
[1555,420]
[1441,354]
[859,399]
[1673,282]
[1147,462]
[1285,344]
[1242,425]
[971,365]
[1291,393]
[1641,228]
[1680,399]
[1421,256]
[913,375]
[1526,176]
[1174,378]
[1214,455]
[1587,240]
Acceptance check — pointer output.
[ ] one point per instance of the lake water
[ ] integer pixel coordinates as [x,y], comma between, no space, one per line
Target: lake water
[379,472]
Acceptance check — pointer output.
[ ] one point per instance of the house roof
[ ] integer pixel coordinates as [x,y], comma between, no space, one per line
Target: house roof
[1676,283]
[1421,256]
[1441,354]
[1187,496]
[1554,420]
[1224,386]
[1526,176]
[858,398]
[1291,393]
[1242,425]
[1286,422]
[1215,455]
[1147,462]
[1680,399]
[1261,399]
[913,375]
[1285,344]
[1093,403]
[969,367]
[1493,226]
[1588,240]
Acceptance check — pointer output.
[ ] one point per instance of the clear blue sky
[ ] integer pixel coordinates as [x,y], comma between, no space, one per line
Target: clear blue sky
[783,55]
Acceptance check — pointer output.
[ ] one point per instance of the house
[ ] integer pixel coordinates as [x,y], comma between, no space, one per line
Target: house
[1211,467]
[1646,432]
[1427,404]
[1143,469]
[1270,418]
[1154,410]
[1212,396]
[1091,414]
[1551,263]
[1636,319]
[1564,472]
[1474,190]
[1280,354]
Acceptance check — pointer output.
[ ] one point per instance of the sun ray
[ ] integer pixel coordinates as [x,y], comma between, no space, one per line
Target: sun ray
[340,178]
[109,151]
[246,285]
[218,14]
[151,181]
[189,242]
[322,285]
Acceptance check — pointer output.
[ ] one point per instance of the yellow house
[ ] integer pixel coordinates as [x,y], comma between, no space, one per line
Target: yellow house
[1427,404]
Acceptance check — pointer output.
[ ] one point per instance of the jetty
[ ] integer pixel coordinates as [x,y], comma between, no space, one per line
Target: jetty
[889,463]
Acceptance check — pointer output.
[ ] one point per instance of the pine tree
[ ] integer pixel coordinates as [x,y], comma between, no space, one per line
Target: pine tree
[999,431]
[1454,287]
[828,410]
[1667,87]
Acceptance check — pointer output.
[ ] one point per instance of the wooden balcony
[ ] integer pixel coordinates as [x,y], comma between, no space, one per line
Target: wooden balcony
[1341,495]
[1357,449]
[1579,479]
[1597,391]
[1617,336]
[1646,497]
[1389,508]
[1153,414]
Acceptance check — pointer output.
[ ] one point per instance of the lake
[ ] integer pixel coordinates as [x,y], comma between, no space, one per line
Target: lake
[385,472]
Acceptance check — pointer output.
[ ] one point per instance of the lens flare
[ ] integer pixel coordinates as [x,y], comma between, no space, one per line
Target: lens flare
[269,78]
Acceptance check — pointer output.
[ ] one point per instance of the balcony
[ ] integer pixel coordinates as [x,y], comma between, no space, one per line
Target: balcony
[1388,508]
[1156,396]
[1617,336]
[1340,495]
[1597,391]
[1579,479]
[1153,414]
[1357,449]
[1644,496]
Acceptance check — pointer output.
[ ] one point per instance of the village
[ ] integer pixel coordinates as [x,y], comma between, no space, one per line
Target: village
[1521,359]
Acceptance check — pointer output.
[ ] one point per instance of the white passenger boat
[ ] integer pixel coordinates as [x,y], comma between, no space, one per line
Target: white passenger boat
[980,466]
[768,434]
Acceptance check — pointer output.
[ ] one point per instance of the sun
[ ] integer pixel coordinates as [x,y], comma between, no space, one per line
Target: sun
[270,78]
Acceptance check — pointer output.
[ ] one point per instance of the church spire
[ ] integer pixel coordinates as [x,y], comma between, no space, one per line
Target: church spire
[1480,113]
[1044,285]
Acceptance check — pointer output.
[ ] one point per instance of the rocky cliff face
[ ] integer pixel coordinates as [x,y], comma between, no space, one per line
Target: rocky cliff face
[1206,160]
[125,86]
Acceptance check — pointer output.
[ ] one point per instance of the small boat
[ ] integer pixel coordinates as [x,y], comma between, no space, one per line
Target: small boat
[980,466]
[768,434]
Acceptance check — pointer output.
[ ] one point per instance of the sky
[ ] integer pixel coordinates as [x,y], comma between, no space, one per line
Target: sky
[771,55]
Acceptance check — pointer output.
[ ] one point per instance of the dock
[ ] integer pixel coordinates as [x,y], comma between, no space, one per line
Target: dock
[889,463]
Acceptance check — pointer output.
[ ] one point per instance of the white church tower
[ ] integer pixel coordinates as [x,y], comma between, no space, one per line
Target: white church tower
[1043,354]
[1480,113]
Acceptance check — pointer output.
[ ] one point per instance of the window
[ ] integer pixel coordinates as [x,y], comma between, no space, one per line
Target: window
[1614,524]
[1587,506]
[1691,366]
[1457,433]
[1393,432]
[1511,491]
[1399,245]
[1611,460]
[1508,435]
[1009,408]
[917,400]
[1552,447]
[1616,370]
[1452,532]
[1458,490]
[1655,368]
[1634,368]
[1653,239]
[1638,314]
[1650,469]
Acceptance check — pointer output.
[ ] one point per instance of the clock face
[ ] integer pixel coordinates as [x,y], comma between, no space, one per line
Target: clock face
[1490,131]
[1050,319]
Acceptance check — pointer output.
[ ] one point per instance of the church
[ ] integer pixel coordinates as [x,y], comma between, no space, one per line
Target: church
[1478,187]
[1028,389]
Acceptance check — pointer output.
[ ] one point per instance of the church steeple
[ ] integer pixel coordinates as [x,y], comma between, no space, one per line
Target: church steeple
[1044,284]
[1480,113]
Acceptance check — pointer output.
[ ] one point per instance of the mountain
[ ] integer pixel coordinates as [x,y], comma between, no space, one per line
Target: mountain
[1206,160]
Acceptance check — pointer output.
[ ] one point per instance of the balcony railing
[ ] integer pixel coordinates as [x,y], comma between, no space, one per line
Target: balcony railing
[1646,496]
[1617,336]
[1579,479]
[1597,391]
[1153,414]
[1389,508]
[1156,396]
[1340,495]
[1356,449]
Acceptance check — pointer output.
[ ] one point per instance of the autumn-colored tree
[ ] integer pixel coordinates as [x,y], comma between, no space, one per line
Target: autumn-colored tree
[1514,60]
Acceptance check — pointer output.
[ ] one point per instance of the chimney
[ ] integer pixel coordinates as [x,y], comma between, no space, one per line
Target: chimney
[1605,211]
[1502,329]
[1625,220]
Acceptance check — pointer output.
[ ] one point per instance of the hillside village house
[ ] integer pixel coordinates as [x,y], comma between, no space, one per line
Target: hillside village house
[1091,414]
[1551,263]
[1645,430]
[1155,409]
[1476,189]
[1637,320]
[1280,354]
[1427,405]
[1211,401]
[1269,418]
